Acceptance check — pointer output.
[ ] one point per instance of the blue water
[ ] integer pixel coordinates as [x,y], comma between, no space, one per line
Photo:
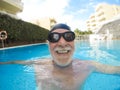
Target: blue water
[21,77]
[107,52]
[26,53]
[17,77]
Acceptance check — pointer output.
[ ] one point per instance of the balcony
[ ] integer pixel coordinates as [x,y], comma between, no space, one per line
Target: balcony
[101,19]
[11,6]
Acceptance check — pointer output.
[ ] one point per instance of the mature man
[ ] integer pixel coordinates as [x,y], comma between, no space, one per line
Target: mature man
[62,72]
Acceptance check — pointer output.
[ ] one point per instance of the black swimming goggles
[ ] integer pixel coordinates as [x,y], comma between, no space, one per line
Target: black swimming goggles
[55,37]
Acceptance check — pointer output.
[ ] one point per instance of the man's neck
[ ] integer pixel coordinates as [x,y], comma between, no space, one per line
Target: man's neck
[60,66]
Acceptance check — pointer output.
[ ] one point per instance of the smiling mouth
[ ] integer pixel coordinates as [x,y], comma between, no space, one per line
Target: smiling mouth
[62,51]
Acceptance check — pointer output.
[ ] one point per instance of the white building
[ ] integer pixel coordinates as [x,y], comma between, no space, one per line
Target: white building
[11,7]
[45,22]
[103,12]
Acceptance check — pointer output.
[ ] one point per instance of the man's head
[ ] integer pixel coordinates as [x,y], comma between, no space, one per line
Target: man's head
[61,43]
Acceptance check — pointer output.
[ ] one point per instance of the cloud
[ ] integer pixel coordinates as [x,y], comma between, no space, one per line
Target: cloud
[43,8]
[72,22]
[35,9]
[81,11]
[48,8]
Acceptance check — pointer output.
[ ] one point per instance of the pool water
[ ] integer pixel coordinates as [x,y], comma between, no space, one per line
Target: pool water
[98,81]
[17,77]
[25,53]
[22,77]
[107,52]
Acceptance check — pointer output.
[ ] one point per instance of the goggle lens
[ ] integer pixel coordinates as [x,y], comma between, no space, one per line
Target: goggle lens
[55,37]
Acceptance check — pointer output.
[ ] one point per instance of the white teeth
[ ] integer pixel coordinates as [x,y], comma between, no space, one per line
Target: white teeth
[62,51]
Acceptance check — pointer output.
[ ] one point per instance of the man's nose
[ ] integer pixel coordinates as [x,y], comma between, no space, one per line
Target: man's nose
[62,41]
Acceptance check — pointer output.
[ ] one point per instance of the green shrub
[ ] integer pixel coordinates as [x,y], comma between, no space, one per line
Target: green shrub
[21,31]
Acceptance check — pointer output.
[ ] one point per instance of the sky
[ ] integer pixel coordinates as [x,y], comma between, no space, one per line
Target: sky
[75,13]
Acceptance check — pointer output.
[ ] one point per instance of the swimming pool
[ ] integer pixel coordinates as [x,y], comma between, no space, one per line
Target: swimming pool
[21,77]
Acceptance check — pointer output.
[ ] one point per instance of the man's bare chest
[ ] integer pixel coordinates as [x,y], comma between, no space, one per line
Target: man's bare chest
[48,75]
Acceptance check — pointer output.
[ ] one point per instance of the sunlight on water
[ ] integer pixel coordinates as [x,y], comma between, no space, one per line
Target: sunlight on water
[103,51]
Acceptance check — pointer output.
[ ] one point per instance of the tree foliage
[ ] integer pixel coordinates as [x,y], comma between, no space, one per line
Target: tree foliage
[21,31]
[79,32]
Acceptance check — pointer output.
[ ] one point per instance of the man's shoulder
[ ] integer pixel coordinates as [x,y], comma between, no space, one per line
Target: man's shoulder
[87,63]
[81,61]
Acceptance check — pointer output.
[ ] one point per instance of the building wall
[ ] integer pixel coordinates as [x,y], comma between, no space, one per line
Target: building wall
[103,13]
[11,6]
[45,22]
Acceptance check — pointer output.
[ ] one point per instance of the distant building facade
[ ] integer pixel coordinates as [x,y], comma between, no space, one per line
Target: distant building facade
[45,22]
[103,13]
[11,7]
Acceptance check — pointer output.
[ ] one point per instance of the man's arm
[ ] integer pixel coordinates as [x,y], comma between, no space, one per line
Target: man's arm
[103,68]
[28,62]
[17,62]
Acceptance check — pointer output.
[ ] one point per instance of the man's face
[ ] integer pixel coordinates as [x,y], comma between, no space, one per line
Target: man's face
[62,50]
